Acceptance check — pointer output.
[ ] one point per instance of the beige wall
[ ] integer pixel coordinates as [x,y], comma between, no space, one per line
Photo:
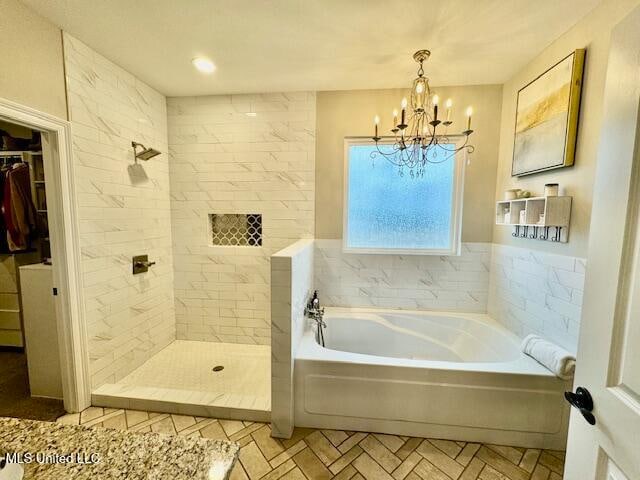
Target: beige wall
[591,33]
[350,113]
[32,71]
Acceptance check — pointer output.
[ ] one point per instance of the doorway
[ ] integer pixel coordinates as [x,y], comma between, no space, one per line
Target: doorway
[65,290]
[30,380]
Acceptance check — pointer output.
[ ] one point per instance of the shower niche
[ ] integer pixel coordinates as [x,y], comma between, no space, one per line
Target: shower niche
[235,229]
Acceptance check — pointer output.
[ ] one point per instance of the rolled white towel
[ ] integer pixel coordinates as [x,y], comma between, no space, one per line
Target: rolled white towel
[550,355]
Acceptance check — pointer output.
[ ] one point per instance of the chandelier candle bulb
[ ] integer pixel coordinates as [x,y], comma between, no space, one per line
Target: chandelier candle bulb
[395,118]
[404,108]
[376,121]
[469,113]
[435,101]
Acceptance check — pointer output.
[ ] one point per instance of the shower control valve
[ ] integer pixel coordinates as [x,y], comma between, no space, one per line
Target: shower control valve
[141,264]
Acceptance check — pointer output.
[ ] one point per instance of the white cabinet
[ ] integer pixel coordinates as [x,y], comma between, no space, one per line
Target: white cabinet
[40,330]
[10,310]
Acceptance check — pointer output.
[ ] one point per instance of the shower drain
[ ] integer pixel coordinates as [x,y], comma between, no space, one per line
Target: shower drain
[218,368]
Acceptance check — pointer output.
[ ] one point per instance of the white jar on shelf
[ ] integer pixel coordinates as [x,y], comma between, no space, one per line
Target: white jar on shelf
[507,216]
[523,217]
[551,190]
[511,194]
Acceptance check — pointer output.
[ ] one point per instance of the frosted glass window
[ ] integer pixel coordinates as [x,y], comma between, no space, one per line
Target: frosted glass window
[389,212]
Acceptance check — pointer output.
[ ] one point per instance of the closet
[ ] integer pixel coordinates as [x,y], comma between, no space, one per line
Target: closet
[24,236]
[28,324]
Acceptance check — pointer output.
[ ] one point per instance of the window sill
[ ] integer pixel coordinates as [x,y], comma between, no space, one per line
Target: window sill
[445,252]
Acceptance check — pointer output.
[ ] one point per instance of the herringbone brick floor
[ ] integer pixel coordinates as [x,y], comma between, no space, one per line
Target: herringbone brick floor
[323,454]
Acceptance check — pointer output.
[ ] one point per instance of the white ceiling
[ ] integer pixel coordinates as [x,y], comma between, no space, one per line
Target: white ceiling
[288,45]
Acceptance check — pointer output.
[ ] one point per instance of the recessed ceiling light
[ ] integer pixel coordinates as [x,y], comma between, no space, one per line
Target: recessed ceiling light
[251,114]
[203,65]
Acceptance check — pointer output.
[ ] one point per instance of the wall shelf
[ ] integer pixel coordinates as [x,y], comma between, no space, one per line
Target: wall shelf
[556,211]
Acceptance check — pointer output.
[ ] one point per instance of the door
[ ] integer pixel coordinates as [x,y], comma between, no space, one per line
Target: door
[608,363]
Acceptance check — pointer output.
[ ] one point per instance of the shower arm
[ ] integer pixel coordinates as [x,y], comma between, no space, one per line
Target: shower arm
[135,146]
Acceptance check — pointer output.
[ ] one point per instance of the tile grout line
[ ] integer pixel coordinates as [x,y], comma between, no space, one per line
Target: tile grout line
[97,420]
[148,423]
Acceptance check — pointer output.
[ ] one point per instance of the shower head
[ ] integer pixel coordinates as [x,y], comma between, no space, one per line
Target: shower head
[145,153]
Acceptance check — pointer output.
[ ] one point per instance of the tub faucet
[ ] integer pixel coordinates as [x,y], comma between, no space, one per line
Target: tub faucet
[316,313]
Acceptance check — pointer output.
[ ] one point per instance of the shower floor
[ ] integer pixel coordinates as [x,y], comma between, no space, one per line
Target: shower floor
[181,379]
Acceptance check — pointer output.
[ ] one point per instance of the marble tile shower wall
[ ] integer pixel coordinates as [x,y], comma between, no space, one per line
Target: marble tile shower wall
[537,292]
[292,283]
[225,161]
[403,281]
[124,210]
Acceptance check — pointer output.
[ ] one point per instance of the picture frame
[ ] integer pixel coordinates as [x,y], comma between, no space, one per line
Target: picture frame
[547,111]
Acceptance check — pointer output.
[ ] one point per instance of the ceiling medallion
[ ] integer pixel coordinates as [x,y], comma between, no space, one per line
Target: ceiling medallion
[421,135]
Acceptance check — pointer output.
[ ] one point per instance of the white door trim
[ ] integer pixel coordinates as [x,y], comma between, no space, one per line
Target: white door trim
[65,248]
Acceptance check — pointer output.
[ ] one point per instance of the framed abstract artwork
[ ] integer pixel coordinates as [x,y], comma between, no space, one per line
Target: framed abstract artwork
[547,118]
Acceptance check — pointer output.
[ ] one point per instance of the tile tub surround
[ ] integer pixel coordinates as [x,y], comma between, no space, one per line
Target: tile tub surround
[537,292]
[123,210]
[291,288]
[180,379]
[415,282]
[123,455]
[223,161]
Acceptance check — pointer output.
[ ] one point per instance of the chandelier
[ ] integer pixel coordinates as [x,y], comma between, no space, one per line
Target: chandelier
[422,134]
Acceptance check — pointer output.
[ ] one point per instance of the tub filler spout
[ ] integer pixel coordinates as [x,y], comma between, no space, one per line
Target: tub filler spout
[316,313]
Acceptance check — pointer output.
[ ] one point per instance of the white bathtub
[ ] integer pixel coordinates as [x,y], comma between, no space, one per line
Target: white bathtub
[444,375]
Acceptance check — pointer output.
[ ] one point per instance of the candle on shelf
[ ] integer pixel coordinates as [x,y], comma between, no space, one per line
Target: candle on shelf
[376,121]
[449,104]
[469,113]
[395,117]
[404,108]
[435,101]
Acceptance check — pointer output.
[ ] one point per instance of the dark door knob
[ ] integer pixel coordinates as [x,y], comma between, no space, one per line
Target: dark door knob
[582,401]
